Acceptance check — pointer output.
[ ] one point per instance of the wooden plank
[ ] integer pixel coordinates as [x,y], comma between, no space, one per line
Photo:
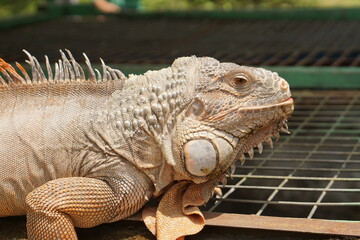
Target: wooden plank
[303,225]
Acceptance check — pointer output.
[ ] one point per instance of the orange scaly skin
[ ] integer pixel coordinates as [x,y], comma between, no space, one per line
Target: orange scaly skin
[79,151]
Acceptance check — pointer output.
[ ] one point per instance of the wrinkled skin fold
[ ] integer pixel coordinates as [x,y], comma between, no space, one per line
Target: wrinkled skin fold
[178,214]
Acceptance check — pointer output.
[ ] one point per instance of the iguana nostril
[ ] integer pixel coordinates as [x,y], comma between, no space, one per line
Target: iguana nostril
[284,85]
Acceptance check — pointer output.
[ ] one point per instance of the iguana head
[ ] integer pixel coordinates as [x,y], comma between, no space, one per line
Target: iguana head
[234,109]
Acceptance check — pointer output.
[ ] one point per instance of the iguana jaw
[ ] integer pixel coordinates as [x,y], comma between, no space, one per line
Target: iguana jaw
[208,152]
[256,137]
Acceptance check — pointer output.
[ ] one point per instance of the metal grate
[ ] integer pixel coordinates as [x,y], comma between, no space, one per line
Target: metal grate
[312,173]
[161,40]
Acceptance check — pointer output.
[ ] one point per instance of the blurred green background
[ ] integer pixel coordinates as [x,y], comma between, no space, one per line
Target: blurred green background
[15,7]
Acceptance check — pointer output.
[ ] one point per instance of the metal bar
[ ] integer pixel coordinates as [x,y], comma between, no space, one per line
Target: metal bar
[340,153]
[268,202]
[302,143]
[357,131]
[307,169]
[296,178]
[296,188]
[323,160]
[340,138]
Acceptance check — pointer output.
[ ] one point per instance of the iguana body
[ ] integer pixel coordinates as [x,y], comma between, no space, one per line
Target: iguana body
[79,151]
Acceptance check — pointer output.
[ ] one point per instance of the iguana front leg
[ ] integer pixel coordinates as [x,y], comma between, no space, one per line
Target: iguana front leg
[54,208]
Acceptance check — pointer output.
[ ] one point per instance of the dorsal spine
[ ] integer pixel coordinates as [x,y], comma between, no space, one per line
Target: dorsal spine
[67,69]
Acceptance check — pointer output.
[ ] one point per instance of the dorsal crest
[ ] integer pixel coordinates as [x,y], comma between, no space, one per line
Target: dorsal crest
[67,69]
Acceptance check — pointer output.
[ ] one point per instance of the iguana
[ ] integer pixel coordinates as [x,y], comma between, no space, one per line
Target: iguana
[81,150]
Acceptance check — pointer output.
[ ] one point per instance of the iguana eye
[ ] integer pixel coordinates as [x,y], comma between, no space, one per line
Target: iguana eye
[239,81]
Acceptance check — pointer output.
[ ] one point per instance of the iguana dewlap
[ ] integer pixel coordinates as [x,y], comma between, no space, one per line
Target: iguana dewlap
[81,151]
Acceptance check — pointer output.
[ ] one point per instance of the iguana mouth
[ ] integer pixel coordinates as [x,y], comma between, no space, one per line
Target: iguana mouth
[258,136]
[288,100]
[256,139]
[221,115]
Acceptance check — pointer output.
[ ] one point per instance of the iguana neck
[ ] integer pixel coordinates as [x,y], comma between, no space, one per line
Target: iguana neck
[144,114]
[151,103]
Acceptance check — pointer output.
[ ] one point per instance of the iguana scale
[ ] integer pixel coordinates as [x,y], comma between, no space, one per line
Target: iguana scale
[82,150]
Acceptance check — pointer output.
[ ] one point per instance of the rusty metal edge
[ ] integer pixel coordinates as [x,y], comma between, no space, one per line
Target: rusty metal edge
[302,225]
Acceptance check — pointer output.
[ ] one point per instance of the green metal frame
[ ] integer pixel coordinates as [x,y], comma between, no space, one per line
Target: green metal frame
[320,77]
